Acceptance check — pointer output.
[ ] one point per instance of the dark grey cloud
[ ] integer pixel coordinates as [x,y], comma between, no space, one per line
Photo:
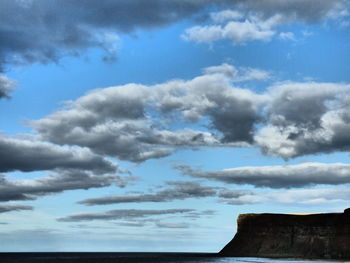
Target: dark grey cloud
[180,191]
[9,208]
[127,15]
[6,86]
[120,121]
[31,154]
[228,123]
[306,118]
[309,11]
[121,214]
[226,193]
[290,100]
[56,183]
[112,121]
[232,111]
[67,27]
[286,176]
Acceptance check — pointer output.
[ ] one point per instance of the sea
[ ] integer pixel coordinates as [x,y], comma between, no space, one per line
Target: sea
[138,258]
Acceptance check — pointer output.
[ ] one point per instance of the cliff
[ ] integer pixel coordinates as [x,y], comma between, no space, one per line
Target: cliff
[317,236]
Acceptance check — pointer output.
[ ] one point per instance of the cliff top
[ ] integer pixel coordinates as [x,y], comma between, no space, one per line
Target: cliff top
[311,219]
[317,236]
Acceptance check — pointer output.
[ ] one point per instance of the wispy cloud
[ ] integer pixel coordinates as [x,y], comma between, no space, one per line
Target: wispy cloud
[279,176]
[300,197]
[10,208]
[58,182]
[121,214]
[163,224]
[180,191]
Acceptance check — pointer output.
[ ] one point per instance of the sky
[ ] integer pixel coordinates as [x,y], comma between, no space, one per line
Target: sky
[150,125]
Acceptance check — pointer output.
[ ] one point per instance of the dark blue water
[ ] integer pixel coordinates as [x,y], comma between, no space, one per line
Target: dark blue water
[134,258]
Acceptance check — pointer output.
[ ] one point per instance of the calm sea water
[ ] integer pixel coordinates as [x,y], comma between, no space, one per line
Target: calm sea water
[135,258]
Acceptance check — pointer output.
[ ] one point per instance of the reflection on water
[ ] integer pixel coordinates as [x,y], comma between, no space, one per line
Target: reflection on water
[263,260]
[136,258]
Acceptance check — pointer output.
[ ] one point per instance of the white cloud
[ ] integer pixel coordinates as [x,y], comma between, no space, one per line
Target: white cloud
[260,20]
[226,15]
[235,26]
[226,69]
[307,33]
[239,74]
[237,31]
[287,36]
[203,34]
[249,74]
[240,32]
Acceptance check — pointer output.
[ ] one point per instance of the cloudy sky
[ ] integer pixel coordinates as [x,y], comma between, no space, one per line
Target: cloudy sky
[149,125]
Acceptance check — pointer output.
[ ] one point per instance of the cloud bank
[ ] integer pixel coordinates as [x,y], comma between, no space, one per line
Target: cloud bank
[135,122]
[71,27]
[279,176]
[260,20]
[117,121]
[67,27]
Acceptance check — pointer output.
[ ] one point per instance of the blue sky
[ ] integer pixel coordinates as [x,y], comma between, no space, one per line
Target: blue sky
[150,125]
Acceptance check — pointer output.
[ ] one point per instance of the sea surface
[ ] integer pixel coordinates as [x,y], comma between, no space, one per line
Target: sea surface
[137,258]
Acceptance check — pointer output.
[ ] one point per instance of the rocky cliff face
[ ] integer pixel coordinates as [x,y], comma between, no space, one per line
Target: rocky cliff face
[321,236]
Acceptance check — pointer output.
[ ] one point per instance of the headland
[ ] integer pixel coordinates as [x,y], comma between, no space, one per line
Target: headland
[311,236]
